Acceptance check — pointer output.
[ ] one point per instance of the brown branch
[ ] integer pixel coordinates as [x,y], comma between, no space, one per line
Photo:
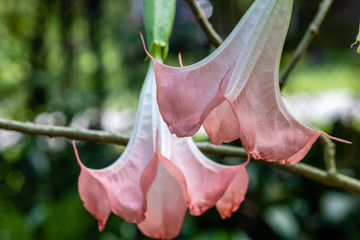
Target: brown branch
[337,180]
[312,30]
[330,176]
[329,154]
[206,26]
[71,133]
[325,177]
[300,50]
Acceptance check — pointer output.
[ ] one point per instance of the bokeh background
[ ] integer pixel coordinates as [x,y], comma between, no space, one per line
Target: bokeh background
[81,64]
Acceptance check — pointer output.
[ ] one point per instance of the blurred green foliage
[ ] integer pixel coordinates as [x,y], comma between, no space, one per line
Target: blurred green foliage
[66,62]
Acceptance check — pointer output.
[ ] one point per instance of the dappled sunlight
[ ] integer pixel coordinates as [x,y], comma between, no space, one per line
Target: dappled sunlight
[324,107]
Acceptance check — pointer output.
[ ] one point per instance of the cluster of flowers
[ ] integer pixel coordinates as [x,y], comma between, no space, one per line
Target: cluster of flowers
[234,94]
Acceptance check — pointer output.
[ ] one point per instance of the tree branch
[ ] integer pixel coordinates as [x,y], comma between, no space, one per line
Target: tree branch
[71,133]
[312,30]
[206,26]
[300,50]
[330,176]
[337,180]
[325,177]
[329,154]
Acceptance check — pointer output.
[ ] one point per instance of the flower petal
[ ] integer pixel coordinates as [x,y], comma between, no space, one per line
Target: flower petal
[235,90]
[267,130]
[234,194]
[166,207]
[158,176]
[185,93]
[95,201]
[222,124]
[202,181]
[122,187]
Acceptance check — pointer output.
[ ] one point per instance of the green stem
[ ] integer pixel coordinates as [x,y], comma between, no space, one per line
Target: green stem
[329,154]
[312,30]
[206,26]
[310,33]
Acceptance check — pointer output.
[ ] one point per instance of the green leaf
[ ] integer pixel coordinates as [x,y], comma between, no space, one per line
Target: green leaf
[357,40]
[158,20]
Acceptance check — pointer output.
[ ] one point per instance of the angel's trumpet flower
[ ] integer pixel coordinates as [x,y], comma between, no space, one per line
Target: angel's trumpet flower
[160,176]
[234,92]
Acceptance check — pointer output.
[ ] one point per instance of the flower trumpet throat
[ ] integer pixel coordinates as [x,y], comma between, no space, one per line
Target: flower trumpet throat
[159,176]
[234,92]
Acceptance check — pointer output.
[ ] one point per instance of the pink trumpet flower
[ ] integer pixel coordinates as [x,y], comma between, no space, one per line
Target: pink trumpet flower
[234,92]
[159,176]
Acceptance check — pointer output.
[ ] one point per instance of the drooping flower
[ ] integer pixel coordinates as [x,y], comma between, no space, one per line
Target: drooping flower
[234,92]
[160,176]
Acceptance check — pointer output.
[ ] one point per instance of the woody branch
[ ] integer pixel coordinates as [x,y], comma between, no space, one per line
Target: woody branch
[333,179]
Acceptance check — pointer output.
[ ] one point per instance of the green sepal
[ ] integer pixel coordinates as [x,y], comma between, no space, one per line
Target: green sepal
[158,19]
